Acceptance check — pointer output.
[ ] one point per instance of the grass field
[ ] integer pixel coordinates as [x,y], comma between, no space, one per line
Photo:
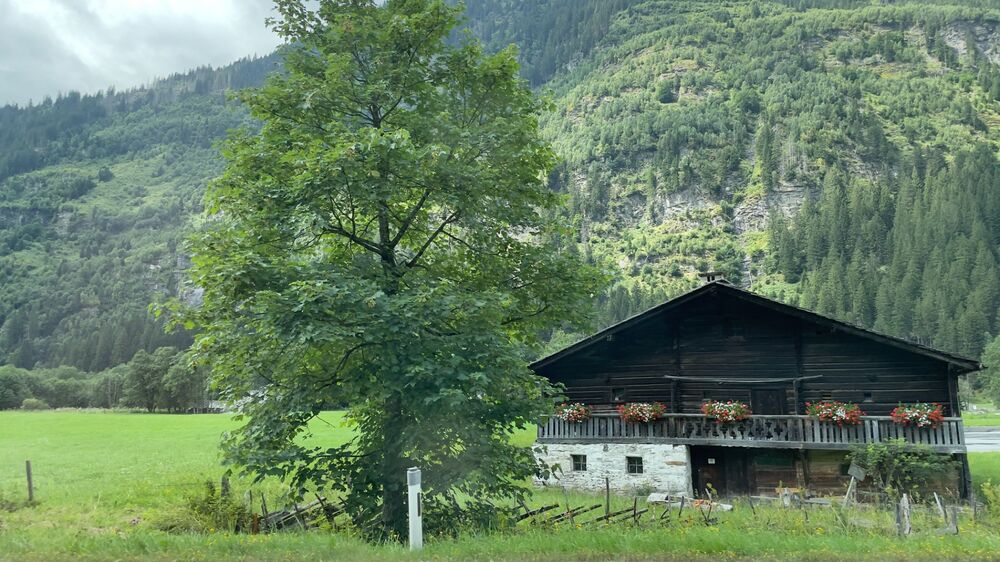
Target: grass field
[981,420]
[102,479]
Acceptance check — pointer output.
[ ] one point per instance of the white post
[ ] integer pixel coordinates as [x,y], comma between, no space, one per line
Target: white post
[416,513]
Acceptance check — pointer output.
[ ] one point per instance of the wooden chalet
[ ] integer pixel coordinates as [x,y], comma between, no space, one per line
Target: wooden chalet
[719,342]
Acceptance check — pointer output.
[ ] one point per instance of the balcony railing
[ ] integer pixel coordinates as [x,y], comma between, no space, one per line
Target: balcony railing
[789,432]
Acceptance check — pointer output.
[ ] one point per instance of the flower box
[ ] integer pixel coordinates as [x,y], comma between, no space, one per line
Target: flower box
[920,414]
[840,413]
[641,412]
[726,412]
[573,413]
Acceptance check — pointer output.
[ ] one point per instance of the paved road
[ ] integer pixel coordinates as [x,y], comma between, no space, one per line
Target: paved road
[982,439]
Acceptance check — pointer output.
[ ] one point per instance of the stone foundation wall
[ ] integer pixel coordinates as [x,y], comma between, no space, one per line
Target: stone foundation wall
[666,468]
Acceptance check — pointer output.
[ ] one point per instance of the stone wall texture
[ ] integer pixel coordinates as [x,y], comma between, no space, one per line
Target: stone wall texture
[666,468]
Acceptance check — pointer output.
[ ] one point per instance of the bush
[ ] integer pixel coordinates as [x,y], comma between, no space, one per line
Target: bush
[13,388]
[34,404]
[212,511]
[991,497]
[896,468]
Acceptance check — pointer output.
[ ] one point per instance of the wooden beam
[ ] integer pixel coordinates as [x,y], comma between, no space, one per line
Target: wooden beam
[951,449]
[954,403]
[799,367]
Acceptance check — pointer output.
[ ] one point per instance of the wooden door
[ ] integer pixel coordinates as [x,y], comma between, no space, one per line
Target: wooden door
[724,468]
[769,401]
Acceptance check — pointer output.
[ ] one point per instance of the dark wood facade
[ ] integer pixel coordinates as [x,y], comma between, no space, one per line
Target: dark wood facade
[719,342]
[722,343]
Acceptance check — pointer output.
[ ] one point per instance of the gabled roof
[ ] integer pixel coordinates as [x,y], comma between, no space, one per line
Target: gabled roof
[961,364]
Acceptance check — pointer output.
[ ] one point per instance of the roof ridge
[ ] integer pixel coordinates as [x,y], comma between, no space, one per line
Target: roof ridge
[965,363]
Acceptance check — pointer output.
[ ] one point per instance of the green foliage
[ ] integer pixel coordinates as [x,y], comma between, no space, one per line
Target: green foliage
[213,511]
[381,243]
[549,33]
[34,404]
[915,257]
[989,377]
[104,174]
[95,191]
[159,380]
[989,493]
[895,468]
[683,121]
[162,379]
[13,389]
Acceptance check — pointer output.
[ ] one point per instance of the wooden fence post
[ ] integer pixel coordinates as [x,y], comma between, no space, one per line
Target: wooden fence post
[903,516]
[31,486]
[607,496]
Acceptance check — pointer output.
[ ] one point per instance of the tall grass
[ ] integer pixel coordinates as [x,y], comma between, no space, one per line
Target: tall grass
[102,480]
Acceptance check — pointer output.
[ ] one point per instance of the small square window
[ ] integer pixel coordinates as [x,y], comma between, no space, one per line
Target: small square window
[617,394]
[579,463]
[634,465]
[868,397]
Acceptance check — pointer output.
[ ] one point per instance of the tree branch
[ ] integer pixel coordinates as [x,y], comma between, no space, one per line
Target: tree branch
[430,239]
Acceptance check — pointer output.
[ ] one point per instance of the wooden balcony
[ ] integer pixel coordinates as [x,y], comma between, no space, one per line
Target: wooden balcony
[784,432]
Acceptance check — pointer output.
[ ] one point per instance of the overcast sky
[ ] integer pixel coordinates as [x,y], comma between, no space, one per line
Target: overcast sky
[53,46]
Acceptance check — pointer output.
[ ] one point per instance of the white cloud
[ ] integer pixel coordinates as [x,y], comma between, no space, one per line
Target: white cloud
[53,46]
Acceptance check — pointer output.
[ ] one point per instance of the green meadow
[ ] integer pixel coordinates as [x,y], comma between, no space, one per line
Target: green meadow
[103,480]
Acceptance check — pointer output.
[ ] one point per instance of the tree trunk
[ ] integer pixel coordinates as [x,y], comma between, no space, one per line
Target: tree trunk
[392,475]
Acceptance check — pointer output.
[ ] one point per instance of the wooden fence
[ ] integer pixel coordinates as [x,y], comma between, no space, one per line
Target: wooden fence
[792,432]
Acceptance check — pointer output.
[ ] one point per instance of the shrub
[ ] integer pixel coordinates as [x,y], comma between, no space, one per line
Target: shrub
[13,389]
[895,467]
[991,497]
[34,404]
[212,511]
[105,174]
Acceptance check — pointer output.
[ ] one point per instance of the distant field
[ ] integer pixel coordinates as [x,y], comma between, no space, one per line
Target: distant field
[102,478]
[981,420]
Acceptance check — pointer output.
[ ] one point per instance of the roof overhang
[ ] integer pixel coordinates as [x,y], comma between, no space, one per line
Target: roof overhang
[957,363]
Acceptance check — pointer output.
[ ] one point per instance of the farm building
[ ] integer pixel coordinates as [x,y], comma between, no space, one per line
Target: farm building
[721,343]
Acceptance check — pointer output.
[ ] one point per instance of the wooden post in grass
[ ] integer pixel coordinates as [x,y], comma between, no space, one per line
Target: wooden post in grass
[940,508]
[607,496]
[31,486]
[903,516]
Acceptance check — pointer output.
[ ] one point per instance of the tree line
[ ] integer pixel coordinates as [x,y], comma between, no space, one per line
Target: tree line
[163,380]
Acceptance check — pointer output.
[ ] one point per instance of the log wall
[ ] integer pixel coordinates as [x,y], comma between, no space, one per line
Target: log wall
[719,336]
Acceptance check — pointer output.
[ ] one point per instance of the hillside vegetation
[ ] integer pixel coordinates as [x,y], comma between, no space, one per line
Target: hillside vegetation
[96,195]
[837,154]
[693,133]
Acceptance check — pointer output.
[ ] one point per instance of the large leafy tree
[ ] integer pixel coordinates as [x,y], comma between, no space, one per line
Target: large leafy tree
[382,243]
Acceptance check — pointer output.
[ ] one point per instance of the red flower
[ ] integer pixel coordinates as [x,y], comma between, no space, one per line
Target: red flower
[839,412]
[641,412]
[725,412]
[574,413]
[920,414]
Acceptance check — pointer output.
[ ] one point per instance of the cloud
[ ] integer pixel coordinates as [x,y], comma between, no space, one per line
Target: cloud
[49,47]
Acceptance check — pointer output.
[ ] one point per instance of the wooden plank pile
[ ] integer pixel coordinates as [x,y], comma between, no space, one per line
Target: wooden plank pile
[302,516]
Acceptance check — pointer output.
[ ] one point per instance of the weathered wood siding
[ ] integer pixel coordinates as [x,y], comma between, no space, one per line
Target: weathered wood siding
[722,336]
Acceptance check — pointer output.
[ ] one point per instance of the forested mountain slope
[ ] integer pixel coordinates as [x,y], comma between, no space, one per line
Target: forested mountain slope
[96,193]
[693,132]
[838,154]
